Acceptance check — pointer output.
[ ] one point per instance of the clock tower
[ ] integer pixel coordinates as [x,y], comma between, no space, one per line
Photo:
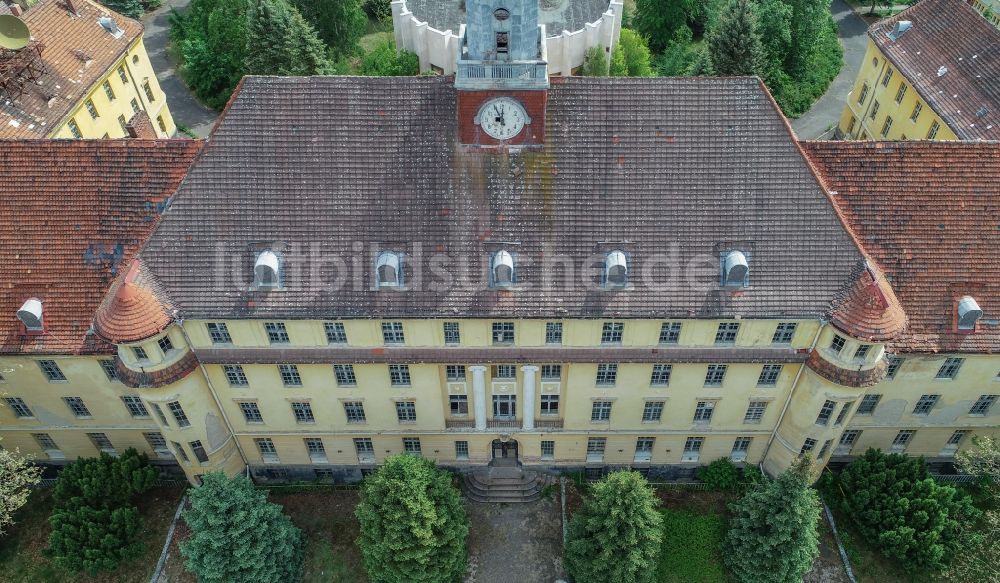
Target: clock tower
[501,75]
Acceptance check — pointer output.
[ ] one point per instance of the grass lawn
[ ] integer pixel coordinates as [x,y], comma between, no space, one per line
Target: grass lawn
[692,547]
[21,559]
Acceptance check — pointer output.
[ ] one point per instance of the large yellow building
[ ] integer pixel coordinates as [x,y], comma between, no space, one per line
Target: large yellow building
[931,72]
[85,74]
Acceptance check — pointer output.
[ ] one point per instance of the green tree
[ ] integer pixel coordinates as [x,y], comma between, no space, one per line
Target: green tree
[212,36]
[237,536]
[385,61]
[722,474]
[130,8]
[340,23]
[658,20]
[635,50]
[773,537]
[979,560]
[413,524]
[734,42]
[281,42]
[805,25]
[618,67]
[17,476]
[104,481]
[900,508]
[774,19]
[616,535]
[679,54]
[595,64]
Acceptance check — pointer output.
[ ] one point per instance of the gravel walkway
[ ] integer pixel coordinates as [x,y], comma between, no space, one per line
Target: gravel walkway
[515,542]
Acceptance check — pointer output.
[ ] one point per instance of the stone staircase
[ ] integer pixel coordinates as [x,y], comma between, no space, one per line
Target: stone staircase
[505,484]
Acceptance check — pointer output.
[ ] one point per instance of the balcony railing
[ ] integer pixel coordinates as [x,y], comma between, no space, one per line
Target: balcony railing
[479,75]
[509,424]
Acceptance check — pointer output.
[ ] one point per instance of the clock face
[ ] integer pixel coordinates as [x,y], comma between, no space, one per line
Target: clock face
[502,118]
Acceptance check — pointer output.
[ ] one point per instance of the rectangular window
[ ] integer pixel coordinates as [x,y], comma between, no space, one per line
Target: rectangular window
[851,125]
[903,438]
[315,449]
[726,334]
[703,411]
[335,332]
[825,449]
[365,449]
[157,443]
[503,332]
[553,332]
[807,446]
[355,411]
[874,110]
[825,412]
[77,406]
[123,123]
[755,412]
[550,405]
[932,133]
[849,436]
[886,126]
[740,448]
[548,450]
[451,333]
[135,406]
[110,371]
[165,344]
[179,451]
[45,441]
[462,450]
[837,344]
[122,75]
[455,372]
[861,353]
[715,375]
[219,333]
[290,375]
[916,111]
[101,442]
[863,94]
[595,448]
[692,449]
[139,353]
[643,449]
[844,410]
[670,332]
[868,404]
[949,369]
[607,374]
[345,375]
[504,371]
[661,375]
[276,332]
[251,413]
[135,105]
[769,375]
[266,448]
[91,109]
[235,375]
[199,451]
[983,405]
[160,415]
[600,412]
[551,372]
[458,405]
[303,412]
[19,407]
[406,411]
[51,370]
[652,411]
[784,333]
[399,375]
[893,364]
[108,90]
[925,403]
[411,445]
[888,75]
[612,332]
[957,437]
[504,407]
[392,333]
[148,91]
[74,129]
[900,92]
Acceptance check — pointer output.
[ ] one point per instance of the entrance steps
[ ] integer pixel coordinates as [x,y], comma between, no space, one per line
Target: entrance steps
[505,484]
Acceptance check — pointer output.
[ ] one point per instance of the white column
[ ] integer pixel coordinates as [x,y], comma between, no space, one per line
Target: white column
[529,397]
[479,396]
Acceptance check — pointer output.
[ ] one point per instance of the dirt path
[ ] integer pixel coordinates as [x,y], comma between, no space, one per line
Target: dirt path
[515,542]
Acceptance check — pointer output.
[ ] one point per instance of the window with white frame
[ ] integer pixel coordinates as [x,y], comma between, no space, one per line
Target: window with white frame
[661,375]
[462,450]
[551,372]
[503,333]
[692,449]
[715,375]
[251,412]
[901,440]
[825,412]
[302,411]
[452,335]
[411,445]
[458,405]
[807,446]
[19,407]
[548,449]
[550,405]
[868,404]
[135,406]
[849,436]
[165,344]
[160,415]
[110,370]
[957,437]
[290,375]
[199,451]
[355,411]
[600,412]
[157,443]
[925,403]
[392,333]
[837,344]
[51,370]
[504,371]
[652,411]
[949,369]
[670,333]
[335,332]
[983,405]
[101,442]
[861,352]
[218,332]
[769,375]
[235,375]
[607,374]
[553,332]
[892,366]
[504,407]
[844,410]
[277,333]
[611,332]
[455,372]
[344,374]
[755,412]
[45,441]
[825,449]
[784,333]
[399,375]
[703,411]
[315,449]
[140,353]
[266,448]
[365,449]
[595,448]
[727,332]
[741,446]
[406,411]
[643,449]
[77,406]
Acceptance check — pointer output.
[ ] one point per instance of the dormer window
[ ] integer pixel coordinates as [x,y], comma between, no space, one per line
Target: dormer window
[502,269]
[267,270]
[31,316]
[735,269]
[388,269]
[969,313]
[615,269]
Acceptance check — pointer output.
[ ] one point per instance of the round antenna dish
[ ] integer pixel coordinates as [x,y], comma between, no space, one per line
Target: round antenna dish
[13,32]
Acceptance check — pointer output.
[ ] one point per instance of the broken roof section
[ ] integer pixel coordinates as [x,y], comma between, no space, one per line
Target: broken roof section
[77,51]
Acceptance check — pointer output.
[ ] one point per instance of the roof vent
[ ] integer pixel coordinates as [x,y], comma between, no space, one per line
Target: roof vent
[267,270]
[615,269]
[111,26]
[503,269]
[30,315]
[387,269]
[735,269]
[942,70]
[968,313]
[898,30]
[982,111]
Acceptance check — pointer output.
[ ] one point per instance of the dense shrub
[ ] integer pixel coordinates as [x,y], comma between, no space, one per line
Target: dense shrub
[721,474]
[595,64]
[340,23]
[130,8]
[385,61]
[635,51]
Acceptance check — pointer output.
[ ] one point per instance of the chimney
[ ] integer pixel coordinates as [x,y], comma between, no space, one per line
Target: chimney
[74,6]
[140,127]
[16,10]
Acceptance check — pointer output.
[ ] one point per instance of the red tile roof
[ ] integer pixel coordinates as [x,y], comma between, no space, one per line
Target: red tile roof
[949,34]
[72,213]
[869,310]
[929,214]
[133,311]
[77,53]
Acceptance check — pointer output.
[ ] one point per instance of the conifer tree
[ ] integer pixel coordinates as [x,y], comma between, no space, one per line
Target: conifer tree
[237,536]
[339,23]
[773,537]
[734,42]
[130,8]
[413,524]
[281,42]
[616,535]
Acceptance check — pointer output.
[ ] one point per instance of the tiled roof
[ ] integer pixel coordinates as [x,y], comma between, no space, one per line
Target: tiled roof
[328,171]
[131,311]
[72,213]
[77,53]
[949,34]
[869,309]
[929,214]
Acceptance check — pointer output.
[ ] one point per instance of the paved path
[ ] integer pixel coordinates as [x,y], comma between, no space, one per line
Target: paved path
[185,109]
[825,113]
[515,543]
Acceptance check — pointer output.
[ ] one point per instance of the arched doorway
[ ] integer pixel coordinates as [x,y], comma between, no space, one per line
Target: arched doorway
[504,452]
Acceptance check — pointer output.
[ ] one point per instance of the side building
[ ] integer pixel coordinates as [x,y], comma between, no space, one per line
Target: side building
[84,74]
[75,214]
[931,72]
